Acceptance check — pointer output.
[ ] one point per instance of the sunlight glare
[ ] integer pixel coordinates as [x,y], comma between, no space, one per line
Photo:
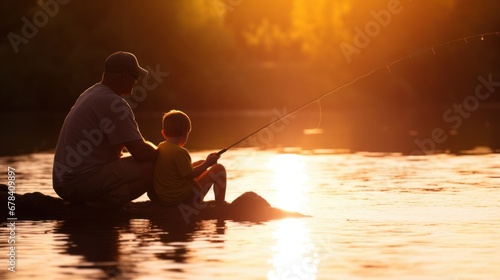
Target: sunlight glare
[294,256]
[289,181]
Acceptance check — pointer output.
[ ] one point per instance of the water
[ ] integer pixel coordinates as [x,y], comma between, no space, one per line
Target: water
[373,216]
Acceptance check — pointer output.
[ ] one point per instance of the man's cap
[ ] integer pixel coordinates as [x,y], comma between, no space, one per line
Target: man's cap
[121,62]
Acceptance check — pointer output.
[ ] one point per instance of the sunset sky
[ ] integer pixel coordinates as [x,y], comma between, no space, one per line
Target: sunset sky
[239,53]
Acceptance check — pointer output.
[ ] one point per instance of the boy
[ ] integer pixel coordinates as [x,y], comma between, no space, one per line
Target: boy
[176,180]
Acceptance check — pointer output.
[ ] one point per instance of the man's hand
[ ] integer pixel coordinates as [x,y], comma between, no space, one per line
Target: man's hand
[142,150]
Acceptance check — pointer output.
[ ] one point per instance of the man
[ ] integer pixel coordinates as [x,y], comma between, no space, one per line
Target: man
[88,162]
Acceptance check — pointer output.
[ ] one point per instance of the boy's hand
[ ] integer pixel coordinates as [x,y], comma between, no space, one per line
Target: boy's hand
[212,159]
[199,169]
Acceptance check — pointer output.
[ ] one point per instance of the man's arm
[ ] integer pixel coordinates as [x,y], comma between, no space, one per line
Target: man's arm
[142,150]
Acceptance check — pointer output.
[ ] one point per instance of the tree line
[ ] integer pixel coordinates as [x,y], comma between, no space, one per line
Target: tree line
[247,54]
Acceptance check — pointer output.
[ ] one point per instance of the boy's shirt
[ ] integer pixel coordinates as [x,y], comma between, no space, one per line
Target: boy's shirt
[172,166]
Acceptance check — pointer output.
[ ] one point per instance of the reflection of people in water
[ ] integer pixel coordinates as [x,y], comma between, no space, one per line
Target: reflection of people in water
[98,242]
[176,237]
[179,235]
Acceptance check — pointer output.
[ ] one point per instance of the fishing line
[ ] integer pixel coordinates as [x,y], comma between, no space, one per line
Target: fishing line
[369,73]
[320,114]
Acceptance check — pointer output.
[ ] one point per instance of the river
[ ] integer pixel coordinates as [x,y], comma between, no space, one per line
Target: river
[371,216]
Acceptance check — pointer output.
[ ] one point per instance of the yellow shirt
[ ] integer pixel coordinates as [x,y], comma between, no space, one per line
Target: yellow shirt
[172,166]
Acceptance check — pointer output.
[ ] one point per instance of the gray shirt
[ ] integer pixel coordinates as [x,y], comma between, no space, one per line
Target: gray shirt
[93,133]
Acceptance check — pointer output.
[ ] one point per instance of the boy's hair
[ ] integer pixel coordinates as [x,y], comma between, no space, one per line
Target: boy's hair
[176,123]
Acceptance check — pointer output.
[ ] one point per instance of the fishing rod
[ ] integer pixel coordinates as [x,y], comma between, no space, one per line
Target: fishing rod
[369,73]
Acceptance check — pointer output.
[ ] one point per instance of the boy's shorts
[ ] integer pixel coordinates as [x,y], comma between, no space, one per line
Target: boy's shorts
[108,185]
[194,197]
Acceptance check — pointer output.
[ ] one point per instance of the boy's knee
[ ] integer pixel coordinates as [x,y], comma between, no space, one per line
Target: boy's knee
[218,173]
[218,168]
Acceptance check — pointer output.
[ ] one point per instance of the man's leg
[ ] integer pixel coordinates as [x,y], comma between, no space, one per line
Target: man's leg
[116,183]
[139,187]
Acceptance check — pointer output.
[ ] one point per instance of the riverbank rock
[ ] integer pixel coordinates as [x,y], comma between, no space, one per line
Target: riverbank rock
[37,206]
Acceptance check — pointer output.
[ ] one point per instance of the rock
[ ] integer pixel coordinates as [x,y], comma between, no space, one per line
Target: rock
[251,207]
[247,207]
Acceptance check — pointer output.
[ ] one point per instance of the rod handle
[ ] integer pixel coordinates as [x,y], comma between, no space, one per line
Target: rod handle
[221,151]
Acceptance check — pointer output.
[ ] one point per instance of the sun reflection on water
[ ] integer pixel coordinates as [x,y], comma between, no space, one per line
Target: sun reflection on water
[294,253]
[289,181]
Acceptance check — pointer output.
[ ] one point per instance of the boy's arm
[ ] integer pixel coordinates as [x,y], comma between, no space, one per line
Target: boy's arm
[199,169]
[196,163]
